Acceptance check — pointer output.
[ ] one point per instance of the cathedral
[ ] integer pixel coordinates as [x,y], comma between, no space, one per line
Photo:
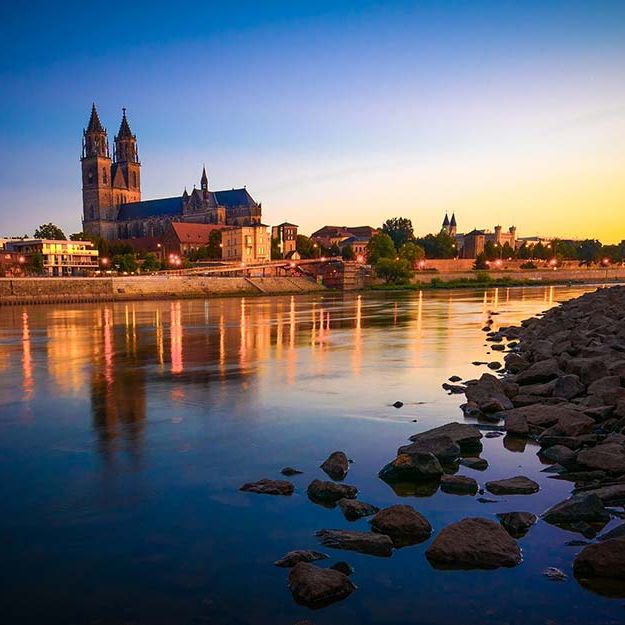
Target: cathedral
[111,192]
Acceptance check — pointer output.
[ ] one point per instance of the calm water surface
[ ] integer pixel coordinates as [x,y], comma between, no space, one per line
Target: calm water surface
[126,430]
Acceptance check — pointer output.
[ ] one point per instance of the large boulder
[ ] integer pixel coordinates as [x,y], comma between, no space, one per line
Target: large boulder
[364,542]
[587,369]
[269,487]
[412,467]
[542,371]
[315,587]
[558,454]
[583,507]
[443,447]
[605,559]
[458,485]
[516,424]
[611,495]
[519,485]
[571,423]
[608,389]
[336,465]
[473,543]
[329,492]
[465,435]
[488,393]
[568,387]
[608,457]
[403,524]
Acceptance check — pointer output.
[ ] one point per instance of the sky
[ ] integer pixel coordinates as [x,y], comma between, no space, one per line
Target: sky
[343,113]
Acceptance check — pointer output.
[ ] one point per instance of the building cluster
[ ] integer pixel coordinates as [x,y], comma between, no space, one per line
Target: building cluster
[472,244]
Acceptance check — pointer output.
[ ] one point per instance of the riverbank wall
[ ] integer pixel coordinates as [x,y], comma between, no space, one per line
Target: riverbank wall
[20,291]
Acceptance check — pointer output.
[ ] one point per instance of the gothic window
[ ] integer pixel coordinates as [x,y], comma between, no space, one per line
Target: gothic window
[134,179]
[104,175]
[90,176]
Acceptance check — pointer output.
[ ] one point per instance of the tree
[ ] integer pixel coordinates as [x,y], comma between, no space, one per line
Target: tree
[441,245]
[150,262]
[399,229]
[276,254]
[81,236]
[589,251]
[125,262]
[481,262]
[411,252]
[214,245]
[394,271]
[305,246]
[348,252]
[380,246]
[50,231]
[35,263]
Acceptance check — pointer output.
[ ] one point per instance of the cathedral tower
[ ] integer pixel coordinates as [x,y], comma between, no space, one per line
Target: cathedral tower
[97,201]
[126,170]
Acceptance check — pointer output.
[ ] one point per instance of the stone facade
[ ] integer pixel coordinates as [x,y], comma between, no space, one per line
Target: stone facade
[246,244]
[111,191]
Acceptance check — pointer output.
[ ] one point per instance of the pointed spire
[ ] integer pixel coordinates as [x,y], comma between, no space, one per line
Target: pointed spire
[124,128]
[453,223]
[204,180]
[94,125]
[446,221]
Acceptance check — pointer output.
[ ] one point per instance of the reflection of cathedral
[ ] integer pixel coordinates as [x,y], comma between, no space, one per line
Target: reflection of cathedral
[111,192]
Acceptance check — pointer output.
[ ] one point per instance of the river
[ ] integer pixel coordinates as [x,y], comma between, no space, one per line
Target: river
[126,430]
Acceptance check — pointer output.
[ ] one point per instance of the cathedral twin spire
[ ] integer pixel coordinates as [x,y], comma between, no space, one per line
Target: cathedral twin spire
[95,140]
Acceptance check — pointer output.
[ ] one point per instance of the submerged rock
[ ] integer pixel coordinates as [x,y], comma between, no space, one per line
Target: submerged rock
[336,465]
[517,524]
[269,487]
[398,404]
[519,485]
[316,587]
[554,574]
[329,492]
[353,509]
[343,567]
[403,524]
[363,542]
[299,555]
[289,471]
[473,543]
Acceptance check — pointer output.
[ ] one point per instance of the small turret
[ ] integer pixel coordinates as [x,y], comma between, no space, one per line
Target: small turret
[204,180]
[95,141]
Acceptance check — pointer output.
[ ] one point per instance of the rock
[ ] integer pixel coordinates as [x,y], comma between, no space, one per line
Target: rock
[458,485]
[443,447]
[403,524]
[455,378]
[608,457]
[473,543]
[466,436]
[543,415]
[516,425]
[554,574]
[559,454]
[364,542]
[488,393]
[542,371]
[517,524]
[582,507]
[616,532]
[330,492]
[498,348]
[612,495]
[288,471]
[398,404]
[587,370]
[494,365]
[477,464]
[519,485]
[486,500]
[269,487]
[316,587]
[568,387]
[343,567]
[572,424]
[299,555]
[493,434]
[353,509]
[605,559]
[336,465]
[608,389]
[411,467]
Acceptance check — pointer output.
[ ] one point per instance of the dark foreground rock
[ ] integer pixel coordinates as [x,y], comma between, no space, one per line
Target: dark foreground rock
[336,465]
[363,542]
[329,492]
[466,436]
[488,393]
[458,485]
[299,555]
[403,524]
[443,447]
[269,487]
[473,543]
[289,471]
[519,485]
[316,587]
[353,509]
[583,507]
[517,524]
[605,560]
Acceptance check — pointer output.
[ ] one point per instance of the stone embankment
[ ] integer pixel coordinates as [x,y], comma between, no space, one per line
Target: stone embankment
[21,291]
[563,385]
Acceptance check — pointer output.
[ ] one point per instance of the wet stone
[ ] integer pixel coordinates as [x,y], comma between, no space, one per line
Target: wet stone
[269,487]
[330,492]
[289,471]
[353,509]
[369,543]
[316,587]
[517,524]
[336,465]
[519,485]
[299,555]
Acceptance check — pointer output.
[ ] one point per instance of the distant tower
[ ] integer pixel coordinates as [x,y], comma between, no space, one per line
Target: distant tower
[97,201]
[204,183]
[497,234]
[126,170]
[445,225]
[453,228]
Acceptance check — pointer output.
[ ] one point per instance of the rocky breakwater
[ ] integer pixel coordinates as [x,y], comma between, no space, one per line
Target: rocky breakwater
[563,385]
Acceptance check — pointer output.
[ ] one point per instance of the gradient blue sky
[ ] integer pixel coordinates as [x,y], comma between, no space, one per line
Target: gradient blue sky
[330,112]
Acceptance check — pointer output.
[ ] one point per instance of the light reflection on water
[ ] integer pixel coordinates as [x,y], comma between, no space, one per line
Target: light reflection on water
[126,429]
